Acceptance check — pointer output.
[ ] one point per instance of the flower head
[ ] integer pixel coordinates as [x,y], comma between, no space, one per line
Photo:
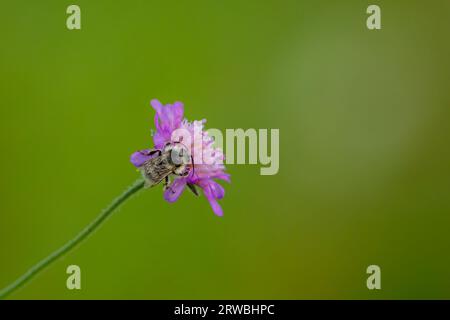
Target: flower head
[207,164]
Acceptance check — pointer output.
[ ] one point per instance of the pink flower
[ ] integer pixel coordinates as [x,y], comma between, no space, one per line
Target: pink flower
[208,160]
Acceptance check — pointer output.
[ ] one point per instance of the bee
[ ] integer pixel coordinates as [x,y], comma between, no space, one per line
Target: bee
[173,159]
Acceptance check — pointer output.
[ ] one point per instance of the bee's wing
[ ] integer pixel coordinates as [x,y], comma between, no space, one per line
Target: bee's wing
[155,170]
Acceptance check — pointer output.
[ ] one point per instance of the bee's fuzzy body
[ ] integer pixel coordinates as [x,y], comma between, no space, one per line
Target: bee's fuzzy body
[158,168]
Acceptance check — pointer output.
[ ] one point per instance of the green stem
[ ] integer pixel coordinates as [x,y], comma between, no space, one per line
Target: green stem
[41,265]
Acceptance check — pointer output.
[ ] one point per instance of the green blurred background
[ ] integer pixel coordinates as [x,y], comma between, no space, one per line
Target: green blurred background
[364,147]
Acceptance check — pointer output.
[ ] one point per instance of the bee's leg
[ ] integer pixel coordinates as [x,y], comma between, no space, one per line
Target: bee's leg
[166,184]
[186,173]
[192,188]
[151,152]
[166,145]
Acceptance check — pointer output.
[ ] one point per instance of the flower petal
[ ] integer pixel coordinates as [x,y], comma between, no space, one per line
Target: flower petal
[224,176]
[175,189]
[178,113]
[160,138]
[156,104]
[216,207]
[139,157]
[217,190]
[212,191]
[167,119]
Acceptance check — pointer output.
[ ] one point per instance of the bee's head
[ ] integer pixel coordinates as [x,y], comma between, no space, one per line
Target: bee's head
[179,154]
